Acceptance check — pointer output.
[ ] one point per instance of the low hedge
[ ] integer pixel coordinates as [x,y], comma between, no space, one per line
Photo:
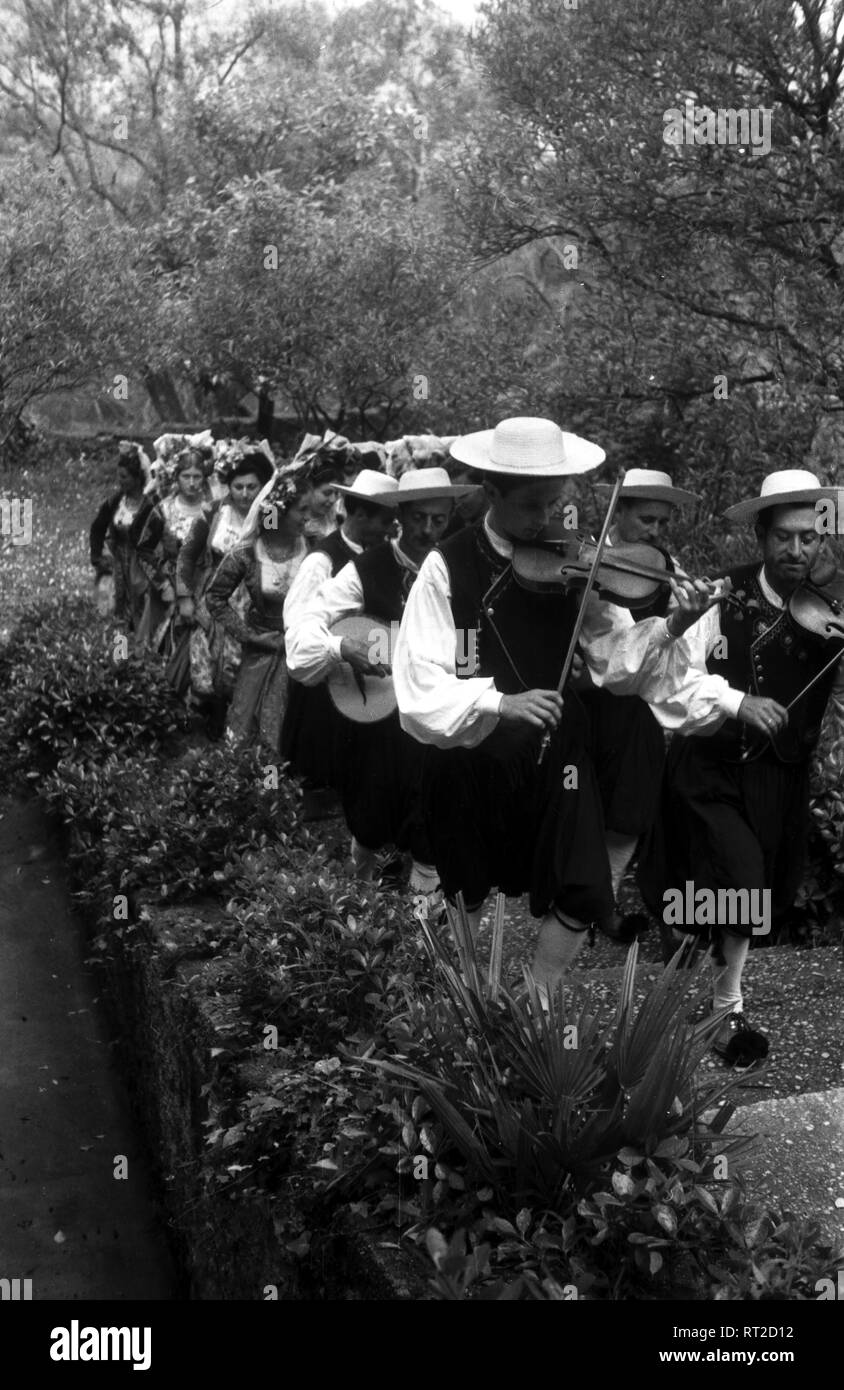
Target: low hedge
[356,1041]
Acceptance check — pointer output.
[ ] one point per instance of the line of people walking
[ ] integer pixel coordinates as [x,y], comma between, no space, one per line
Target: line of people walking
[361,613]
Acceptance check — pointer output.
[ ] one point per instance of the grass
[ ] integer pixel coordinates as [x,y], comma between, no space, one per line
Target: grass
[66,484]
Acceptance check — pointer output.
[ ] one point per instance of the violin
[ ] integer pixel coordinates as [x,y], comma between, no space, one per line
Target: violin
[629,574]
[817,605]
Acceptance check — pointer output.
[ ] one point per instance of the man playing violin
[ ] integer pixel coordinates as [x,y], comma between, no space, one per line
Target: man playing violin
[628,745]
[495,814]
[379,765]
[735,805]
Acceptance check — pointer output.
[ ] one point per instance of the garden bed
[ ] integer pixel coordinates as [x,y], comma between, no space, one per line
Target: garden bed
[340,1107]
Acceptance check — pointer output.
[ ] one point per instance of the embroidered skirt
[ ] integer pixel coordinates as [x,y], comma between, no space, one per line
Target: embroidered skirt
[260,694]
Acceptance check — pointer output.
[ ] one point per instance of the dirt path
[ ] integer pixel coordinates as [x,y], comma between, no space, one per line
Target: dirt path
[66,1221]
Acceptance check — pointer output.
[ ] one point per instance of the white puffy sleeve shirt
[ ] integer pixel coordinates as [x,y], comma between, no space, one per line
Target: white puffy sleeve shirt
[629,658]
[312,650]
[313,572]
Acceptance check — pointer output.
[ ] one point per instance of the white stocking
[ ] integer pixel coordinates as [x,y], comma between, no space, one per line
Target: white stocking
[620,850]
[726,979]
[557,947]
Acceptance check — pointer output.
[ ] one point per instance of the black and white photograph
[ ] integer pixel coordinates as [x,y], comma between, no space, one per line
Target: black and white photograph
[421,636]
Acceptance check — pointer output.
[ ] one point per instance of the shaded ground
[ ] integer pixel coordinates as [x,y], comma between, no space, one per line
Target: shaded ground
[66,1221]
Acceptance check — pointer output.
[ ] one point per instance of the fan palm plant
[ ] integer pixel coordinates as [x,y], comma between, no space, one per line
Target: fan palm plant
[538,1098]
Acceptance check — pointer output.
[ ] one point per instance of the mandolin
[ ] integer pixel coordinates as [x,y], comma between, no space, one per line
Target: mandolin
[364,699]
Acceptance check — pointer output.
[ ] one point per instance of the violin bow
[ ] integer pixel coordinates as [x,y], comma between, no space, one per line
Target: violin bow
[581,613]
[748,753]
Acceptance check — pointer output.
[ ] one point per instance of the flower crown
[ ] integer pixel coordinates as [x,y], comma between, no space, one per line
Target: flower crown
[170,449]
[287,487]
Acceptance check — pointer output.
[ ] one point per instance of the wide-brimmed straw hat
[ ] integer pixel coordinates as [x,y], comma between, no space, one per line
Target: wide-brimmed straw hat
[529,447]
[650,485]
[370,486]
[786,485]
[424,484]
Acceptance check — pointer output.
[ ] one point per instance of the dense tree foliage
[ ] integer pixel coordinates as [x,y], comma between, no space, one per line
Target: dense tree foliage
[460,230]
[699,260]
[74,293]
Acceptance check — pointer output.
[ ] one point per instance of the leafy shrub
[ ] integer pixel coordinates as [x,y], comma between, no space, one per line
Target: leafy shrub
[661,1229]
[822,891]
[171,830]
[562,1171]
[325,961]
[323,957]
[67,696]
[537,1105]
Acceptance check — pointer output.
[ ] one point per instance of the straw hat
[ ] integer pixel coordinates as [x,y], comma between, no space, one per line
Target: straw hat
[529,447]
[786,485]
[370,486]
[424,484]
[649,484]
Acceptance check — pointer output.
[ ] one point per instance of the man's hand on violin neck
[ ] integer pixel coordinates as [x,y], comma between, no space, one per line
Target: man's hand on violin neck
[694,597]
[541,708]
[763,714]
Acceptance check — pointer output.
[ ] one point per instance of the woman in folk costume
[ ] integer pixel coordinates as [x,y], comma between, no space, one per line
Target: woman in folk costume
[312,726]
[379,766]
[496,814]
[325,464]
[628,744]
[159,530]
[214,652]
[265,562]
[113,525]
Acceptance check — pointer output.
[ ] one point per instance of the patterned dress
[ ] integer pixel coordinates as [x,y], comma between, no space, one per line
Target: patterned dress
[158,531]
[260,694]
[113,525]
[214,652]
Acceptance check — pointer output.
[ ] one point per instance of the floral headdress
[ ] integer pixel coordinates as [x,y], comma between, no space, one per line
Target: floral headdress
[228,453]
[169,449]
[277,496]
[417,451]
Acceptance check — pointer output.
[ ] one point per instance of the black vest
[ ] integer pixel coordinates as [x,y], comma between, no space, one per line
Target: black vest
[767,654]
[386,583]
[337,549]
[518,637]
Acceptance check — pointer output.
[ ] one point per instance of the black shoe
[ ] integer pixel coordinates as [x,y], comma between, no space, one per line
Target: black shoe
[610,927]
[623,929]
[738,1044]
[633,925]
